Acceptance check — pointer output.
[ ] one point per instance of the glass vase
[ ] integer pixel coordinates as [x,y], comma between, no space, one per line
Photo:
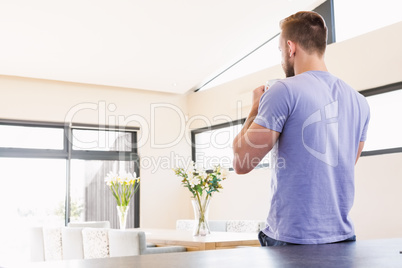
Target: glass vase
[122,212]
[201,208]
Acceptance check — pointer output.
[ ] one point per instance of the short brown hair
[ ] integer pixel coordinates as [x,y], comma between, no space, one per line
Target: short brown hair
[308,29]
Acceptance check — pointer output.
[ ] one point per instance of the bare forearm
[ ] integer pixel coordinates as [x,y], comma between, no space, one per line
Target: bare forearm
[242,144]
[250,119]
[359,151]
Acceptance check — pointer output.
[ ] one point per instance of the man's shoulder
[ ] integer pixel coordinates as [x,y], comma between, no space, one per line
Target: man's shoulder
[298,81]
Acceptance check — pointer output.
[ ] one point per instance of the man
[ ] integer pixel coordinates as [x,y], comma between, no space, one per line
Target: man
[316,126]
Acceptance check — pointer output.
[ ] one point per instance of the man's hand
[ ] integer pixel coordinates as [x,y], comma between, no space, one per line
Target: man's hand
[255,103]
[257,93]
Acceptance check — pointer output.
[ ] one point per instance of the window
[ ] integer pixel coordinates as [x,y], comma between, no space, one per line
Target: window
[46,177]
[31,137]
[385,129]
[353,18]
[213,145]
[101,140]
[95,153]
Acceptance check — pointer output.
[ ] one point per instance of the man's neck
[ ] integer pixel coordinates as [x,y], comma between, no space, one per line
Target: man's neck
[305,62]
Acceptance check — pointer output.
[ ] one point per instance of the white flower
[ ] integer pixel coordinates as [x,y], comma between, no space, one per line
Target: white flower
[128,176]
[111,177]
[203,174]
[123,186]
[224,172]
[190,175]
[193,181]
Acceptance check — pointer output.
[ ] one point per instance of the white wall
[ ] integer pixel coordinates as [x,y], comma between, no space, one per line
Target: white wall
[364,62]
[377,209]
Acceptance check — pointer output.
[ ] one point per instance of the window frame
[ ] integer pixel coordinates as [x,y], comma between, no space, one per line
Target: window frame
[377,91]
[219,126]
[210,128]
[68,153]
[326,10]
[33,153]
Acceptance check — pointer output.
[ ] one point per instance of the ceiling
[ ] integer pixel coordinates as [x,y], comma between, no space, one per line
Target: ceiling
[161,45]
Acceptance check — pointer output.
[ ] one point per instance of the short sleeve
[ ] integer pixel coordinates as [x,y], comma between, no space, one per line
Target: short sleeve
[274,108]
[365,128]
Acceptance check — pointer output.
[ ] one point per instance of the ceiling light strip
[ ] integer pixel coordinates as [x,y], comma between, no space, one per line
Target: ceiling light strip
[263,44]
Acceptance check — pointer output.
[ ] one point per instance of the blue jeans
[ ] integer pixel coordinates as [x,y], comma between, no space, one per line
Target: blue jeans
[267,241]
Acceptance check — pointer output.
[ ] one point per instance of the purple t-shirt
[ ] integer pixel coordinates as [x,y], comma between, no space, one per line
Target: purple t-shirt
[321,120]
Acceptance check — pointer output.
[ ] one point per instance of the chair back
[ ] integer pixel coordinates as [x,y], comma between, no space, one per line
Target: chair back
[52,244]
[247,226]
[37,244]
[95,243]
[125,243]
[90,224]
[72,243]
[244,226]
[67,243]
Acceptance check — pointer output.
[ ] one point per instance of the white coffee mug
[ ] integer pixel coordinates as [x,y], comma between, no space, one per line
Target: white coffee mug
[270,83]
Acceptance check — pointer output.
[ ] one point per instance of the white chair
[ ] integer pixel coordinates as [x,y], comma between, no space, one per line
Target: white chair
[123,243]
[72,238]
[56,243]
[37,244]
[217,225]
[72,243]
[156,250]
[67,243]
[52,241]
[90,224]
[95,243]
[132,242]
[244,226]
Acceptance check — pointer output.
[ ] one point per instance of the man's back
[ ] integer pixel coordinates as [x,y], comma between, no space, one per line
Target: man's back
[322,121]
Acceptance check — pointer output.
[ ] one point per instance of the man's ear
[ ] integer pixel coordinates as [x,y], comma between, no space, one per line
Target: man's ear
[291,48]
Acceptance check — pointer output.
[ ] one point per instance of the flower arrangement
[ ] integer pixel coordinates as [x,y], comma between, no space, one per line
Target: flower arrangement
[201,181]
[123,186]
[202,184]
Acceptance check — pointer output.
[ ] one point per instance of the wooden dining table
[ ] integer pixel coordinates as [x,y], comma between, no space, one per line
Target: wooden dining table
[216,240]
